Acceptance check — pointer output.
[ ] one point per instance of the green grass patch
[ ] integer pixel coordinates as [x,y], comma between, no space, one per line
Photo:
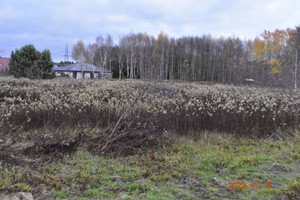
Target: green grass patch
[61,194]
[186,169]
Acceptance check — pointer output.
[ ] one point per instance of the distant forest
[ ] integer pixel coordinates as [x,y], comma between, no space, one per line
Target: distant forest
[271,59]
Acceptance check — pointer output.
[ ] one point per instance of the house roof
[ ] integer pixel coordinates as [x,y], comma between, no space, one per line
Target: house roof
[78,67]
[4,63]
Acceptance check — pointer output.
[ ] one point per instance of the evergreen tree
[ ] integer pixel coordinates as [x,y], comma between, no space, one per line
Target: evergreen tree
[30,63]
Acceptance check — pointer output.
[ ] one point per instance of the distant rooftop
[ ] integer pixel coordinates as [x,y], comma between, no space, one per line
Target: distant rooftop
[4,63]
[79,67]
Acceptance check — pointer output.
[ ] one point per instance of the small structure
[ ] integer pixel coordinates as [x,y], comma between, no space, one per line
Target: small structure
[82,71]
[249,81]
[4,66]
[4,63]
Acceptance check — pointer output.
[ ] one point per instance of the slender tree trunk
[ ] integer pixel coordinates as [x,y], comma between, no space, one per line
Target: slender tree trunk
[110,65]
[193,65]
[127,66]
[296,67]
[120,70]
[172,66]
[131,67]
[142,69]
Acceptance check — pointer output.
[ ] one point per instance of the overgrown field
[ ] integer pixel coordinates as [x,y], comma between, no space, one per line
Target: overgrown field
[26,104]
[102,139]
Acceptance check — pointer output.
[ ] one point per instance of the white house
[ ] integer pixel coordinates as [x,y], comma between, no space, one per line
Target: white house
[82,71]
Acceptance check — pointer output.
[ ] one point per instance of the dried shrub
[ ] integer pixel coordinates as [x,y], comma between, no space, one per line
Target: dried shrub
[168,106]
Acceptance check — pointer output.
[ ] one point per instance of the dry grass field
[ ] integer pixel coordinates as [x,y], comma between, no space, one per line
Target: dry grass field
[131,139]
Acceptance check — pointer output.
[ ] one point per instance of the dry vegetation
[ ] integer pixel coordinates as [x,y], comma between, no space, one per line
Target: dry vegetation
[52,133]
[166,106]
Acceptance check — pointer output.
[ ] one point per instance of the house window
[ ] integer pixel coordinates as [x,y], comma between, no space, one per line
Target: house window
[75,75]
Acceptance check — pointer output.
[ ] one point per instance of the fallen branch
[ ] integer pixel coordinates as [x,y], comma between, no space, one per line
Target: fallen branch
[108,138]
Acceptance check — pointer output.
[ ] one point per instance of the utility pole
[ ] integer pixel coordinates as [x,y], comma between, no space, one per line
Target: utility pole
[66,56]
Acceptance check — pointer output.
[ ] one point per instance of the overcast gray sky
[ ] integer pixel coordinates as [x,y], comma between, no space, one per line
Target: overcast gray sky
[53,24]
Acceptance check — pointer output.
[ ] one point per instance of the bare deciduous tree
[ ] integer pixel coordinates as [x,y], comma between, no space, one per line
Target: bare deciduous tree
[295,43]
[79,52]
[224,60]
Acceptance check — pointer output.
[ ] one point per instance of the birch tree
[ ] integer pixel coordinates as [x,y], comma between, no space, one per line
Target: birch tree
[103,52]
[295,44]
[79,52]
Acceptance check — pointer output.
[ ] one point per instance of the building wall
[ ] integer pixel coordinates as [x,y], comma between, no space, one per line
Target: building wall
[83,75]
[104,75]
[4,64]
[79,75]
[70,74]
[87,75]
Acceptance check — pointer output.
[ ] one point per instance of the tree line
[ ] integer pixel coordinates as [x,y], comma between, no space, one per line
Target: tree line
[271,59]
